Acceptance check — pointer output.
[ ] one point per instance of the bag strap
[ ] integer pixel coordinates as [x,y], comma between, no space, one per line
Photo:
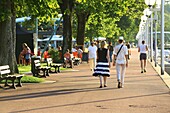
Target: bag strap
[119,49]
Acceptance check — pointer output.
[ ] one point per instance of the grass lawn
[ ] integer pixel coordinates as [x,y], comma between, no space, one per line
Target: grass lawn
[28,78]
[24,69]
[32,79]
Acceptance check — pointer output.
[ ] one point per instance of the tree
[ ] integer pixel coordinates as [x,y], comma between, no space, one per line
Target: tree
[9,10]
[104,18]
[8,35]
[66,7]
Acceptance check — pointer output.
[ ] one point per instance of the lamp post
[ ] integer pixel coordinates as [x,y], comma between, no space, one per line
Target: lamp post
[150,3]
[144,22]
[158,3]
[147,13]
[155,20]
[162,37]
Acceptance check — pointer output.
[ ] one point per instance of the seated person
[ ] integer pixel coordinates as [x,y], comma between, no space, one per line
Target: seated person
[67,56]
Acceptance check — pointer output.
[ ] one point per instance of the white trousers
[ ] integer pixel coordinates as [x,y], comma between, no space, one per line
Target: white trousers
[92,63]
[120,68]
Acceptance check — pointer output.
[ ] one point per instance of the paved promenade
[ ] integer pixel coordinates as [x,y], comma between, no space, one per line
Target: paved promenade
[76,91]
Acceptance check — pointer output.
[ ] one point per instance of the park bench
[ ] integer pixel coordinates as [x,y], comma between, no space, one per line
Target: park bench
[5,75]
[76,61]
[56,66]
[39,68]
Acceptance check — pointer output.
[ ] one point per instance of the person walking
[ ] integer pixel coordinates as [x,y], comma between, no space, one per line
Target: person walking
[143,49]
[28,55]
[46,54]
[120,59]
[92,49]
[129,51]
[110,47]
[103,64]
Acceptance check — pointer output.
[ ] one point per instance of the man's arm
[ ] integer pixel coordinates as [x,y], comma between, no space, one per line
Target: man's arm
[146,48]
[138,49]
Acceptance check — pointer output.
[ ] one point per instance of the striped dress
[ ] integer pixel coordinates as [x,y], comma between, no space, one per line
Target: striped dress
[102,67]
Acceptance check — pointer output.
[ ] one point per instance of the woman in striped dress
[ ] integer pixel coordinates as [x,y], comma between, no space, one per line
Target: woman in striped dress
[103,64]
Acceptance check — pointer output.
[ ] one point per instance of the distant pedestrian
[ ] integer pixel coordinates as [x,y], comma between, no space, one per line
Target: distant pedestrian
[143,49]
[25,55]
[103,64]
[28,55]
[110,47]
[92,49]
[46,54]
[121,61]
[129,51]
[80,53]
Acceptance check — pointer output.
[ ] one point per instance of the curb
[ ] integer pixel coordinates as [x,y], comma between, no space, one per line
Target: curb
[165,77]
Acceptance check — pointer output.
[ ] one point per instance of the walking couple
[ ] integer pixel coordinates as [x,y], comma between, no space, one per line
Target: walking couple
[102,69]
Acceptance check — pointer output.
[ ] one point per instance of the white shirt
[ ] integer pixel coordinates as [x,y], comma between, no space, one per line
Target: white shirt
[142,48]
[120,59]
[92,51]
[73,50]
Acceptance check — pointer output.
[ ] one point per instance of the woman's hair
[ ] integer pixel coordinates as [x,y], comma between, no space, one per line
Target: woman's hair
[47,49]
[25,45]
[103,44]
[143,42]
[67,50]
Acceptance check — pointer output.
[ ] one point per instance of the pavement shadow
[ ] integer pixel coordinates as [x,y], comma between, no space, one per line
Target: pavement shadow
[89,102]
[51,93]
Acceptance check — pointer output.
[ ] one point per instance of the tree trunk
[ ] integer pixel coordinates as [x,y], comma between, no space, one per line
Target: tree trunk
[82,18]
[8,41]
[67,33]
[66,7]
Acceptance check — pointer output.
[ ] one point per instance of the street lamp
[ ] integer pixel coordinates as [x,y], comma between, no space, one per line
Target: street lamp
[150,3]
[162,37]
[147,14]
[143,27]
[157,8]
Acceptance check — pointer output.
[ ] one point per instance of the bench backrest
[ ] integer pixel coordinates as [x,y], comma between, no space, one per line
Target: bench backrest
[37,63]
[4,70]
[49,61]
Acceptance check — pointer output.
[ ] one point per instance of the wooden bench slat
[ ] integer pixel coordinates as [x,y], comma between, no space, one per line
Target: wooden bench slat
[39,68]
[54,65]
[4,67]
[3,72]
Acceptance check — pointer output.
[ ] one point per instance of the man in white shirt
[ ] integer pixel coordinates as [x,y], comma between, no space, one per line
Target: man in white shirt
[92,55]
[121,56]
[143,49]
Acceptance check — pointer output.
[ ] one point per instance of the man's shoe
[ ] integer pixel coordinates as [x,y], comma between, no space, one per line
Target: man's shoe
[105,85]
[100,87]
[141,71]
[144,70]
[119,85]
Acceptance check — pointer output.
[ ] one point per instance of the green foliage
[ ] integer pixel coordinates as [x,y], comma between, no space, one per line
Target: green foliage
[112,18]
[44,9]
[54,54]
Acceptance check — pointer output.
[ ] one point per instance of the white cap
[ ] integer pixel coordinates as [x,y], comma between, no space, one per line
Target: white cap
[121,38]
